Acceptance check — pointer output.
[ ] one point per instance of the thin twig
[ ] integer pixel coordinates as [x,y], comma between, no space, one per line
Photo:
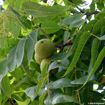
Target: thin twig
[43,32]
[94,35]
[61,47]
[89,13]
[77,90]
[48,84]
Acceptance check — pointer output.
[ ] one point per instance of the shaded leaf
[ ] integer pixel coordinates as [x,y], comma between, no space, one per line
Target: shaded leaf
[92,5]
[54,65]
[82,42]
[74,46]
[66,36]
[96,65]
[58,56]
[17,97]
[94,53]
[48,101]
[80,80]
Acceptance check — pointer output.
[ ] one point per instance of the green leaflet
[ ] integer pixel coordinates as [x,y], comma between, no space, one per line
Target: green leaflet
[82,42]
[14,28]
[50,26]
[9,24]
[92,5]
[61,83]
[42,97]
[100,4]
[20,52]
[103,30]
[3,69]
[6,87]
[26,102]
[72,21]
[94,52]
[30,42]
[66,36]
[42,80]
[97,27]
[73,48]
[97,64]
[12,59]
[17,3]
[35,9]
[31,92]
[100,15]
[21,20]
[89,26]
[75,42]
[57,99]
[102,37]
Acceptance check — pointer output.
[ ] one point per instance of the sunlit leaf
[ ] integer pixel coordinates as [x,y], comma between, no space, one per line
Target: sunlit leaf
[42,80]
[30,42]
[31,92]
[38,10]
[72,21]
[61,83]
[6,87]
[102,37]
[3,69]
[20,52]
[63,99]
[26,102]
[12,59]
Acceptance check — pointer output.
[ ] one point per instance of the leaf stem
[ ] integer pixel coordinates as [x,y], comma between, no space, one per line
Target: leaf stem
[77,90]
[94,35]
[43,32]
[48,84]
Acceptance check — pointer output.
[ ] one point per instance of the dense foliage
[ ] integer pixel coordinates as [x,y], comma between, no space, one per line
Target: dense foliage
[78,63]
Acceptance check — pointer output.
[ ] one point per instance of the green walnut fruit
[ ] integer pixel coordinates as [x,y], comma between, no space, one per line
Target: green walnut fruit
[44,62]
[37,59]
[44,48]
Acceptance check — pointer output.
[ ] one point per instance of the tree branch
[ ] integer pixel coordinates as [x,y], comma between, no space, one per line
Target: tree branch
[91,13]
[88,13]
[61,47]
